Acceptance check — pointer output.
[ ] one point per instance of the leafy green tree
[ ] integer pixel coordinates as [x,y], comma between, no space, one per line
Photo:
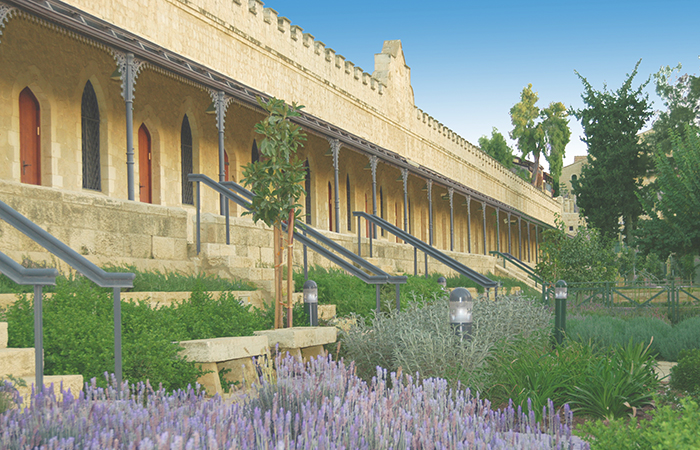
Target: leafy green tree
[541,132]
[585,257]
[674,207]
[276,179]
[617,160]
[497,147]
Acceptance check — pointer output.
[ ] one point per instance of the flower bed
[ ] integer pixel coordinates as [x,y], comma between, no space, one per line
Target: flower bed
[320,405]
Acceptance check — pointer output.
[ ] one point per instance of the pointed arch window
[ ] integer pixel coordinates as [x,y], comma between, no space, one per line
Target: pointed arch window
[90,124]
[186,161]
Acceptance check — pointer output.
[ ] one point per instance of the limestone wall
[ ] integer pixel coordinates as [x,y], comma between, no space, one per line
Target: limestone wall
[256,46]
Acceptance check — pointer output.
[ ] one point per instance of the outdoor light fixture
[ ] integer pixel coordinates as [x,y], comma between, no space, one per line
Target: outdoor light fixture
[442,282]
[461,306]
[211,110]
[116,75]
[311,302]
[560,295]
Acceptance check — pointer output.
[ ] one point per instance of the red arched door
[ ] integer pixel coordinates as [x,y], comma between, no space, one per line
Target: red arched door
[29,137]
[145,190]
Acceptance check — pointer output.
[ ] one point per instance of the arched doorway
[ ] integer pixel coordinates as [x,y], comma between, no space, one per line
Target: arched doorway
[145,185]
[29,137]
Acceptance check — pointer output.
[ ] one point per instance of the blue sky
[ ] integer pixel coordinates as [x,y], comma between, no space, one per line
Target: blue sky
[470,60]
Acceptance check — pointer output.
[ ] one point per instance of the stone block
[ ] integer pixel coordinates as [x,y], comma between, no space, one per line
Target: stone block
[18,362]
[241,371]
[72,383]
[326,312]
[210,380]
[162,247]
[224,349]
[299,337]
[312,352]
[3,334]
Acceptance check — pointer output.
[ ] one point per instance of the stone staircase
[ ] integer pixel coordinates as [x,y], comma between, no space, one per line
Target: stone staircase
[513,271]
[19,362]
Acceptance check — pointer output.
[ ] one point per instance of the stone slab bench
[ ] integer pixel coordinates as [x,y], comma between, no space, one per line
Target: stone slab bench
[233,353]
[303,343]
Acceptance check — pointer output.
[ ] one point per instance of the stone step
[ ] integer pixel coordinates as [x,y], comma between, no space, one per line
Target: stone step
[18,362]
[3,334]
[72,383]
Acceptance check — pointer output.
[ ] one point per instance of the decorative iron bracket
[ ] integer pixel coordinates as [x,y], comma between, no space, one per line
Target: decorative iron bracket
[6,12]
[129,69]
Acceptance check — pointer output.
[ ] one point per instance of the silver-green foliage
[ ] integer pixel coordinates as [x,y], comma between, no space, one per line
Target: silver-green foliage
[420,338]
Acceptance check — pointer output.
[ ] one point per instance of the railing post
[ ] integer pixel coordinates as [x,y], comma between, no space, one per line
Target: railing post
[118,337]
[199,218]
[426,264]
[415,261]
[38,338]
[359,237]
[228,224]
[398,297]
[306,261]
[378,298]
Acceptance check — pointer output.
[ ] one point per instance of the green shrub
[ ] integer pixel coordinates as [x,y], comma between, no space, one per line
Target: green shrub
[614,382]
[79,332]
[600,331]
[353,296]
[685,376]
[646,330]
[9,395]
[669,428]
[420,339]
[683,336]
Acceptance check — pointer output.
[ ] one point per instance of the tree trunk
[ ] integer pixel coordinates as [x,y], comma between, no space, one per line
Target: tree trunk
[290,257]
[533,180]
[278,276]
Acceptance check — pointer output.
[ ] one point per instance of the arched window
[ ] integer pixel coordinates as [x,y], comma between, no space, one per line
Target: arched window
[574,177]
[90,123]
[307,188]
[254,152]
[29,137]
[186,160]
[347,199]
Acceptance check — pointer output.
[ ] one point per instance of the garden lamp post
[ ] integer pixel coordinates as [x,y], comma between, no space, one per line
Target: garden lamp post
[461,306]
[311,302]
[442,282]
[560,295]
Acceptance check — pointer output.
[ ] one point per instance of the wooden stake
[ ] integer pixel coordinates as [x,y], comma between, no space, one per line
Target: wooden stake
[278,292]
[290,257]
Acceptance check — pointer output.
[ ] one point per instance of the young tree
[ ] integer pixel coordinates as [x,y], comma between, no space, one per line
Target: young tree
[617,160]
[540,132]
[276,180]
[497,147]
[585,257]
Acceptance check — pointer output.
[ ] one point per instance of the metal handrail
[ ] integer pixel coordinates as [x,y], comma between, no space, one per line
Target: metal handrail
[425,248]
[520,264]
[114,280]
[38,278]
[65,253]
[303,232]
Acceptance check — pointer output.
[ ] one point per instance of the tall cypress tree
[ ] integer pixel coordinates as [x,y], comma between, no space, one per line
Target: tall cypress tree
[617,159]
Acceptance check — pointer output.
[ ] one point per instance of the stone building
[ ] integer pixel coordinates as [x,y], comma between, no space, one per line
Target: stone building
[105,108]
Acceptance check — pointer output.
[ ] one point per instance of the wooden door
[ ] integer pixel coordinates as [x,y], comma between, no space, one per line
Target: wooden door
[29,137]
[145,189]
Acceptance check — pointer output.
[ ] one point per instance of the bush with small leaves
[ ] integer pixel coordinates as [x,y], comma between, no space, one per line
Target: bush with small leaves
[685,376]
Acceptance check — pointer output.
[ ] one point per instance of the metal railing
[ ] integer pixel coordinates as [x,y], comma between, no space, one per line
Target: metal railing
[308,236]
[609,294]
[114,280]
[417,244]
[519,264]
